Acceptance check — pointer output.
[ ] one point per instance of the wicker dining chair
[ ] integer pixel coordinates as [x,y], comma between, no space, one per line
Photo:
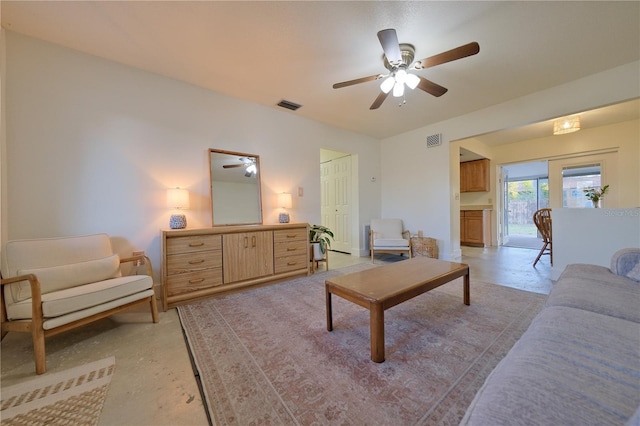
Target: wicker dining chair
[542,220]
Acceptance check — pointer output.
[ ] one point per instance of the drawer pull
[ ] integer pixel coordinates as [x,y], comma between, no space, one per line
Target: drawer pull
[292,248]
[292,263]
[291,235]
[200,244]
[195,262]
[196,281]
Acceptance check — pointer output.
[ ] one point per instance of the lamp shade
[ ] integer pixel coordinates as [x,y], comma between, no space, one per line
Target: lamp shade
[284,200]
[566,125]
[177,198]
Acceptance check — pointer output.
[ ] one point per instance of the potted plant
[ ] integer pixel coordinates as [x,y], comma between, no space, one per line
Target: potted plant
[595,195]
[320,239]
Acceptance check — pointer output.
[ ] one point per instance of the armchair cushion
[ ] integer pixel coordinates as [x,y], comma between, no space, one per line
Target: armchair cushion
[56,278]
[388,242]
[63,302]
[385,229]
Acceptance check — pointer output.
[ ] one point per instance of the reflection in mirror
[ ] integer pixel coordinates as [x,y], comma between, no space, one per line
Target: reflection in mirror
[235,188]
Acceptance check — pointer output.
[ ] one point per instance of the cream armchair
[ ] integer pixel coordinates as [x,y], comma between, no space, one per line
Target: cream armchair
[388,236]
[53,285]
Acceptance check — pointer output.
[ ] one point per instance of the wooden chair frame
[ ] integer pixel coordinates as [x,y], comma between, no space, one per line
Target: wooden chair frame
[34,326]
[542,220]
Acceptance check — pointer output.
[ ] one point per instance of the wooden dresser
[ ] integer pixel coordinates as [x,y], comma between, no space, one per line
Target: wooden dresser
[198,263]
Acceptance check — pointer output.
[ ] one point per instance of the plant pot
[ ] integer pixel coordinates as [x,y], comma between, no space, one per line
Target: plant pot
[317,251]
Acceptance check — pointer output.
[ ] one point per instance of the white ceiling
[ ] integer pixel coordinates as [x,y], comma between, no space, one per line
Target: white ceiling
[268,51]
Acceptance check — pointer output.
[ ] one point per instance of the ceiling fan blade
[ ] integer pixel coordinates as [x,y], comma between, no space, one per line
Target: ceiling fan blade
[431,87]
[379,100]
[357,81]
[389,41]
[448,56]
[230,166]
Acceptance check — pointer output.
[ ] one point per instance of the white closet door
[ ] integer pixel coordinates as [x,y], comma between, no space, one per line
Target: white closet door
[336,201]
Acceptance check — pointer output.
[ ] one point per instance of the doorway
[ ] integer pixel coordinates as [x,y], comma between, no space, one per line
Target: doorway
[336,197]
[525,190]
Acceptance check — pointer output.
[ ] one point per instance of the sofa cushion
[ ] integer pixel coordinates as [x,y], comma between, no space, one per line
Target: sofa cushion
[570,367]
[56,278]
[596,289]
[74,299]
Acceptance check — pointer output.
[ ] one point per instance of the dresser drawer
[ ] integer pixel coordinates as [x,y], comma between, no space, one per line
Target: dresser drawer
[283,235]
[188,262]
[290,248]
[192,281]
[291,263]
[193,243]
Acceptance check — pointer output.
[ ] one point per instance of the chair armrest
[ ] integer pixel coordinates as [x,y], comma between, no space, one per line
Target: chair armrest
[36,297]
[406,234]
[143,259]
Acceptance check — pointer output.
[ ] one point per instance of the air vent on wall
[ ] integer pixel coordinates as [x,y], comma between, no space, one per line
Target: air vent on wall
[288,105]
[434,140]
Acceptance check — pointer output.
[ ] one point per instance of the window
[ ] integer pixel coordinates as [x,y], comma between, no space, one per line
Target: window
[575,180]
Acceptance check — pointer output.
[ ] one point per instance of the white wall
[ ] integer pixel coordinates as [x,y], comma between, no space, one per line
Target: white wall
[427,195]
[592,235]
[92,146]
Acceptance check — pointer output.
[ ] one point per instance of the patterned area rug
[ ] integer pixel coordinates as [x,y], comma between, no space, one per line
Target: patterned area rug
[265,356]
[71,397]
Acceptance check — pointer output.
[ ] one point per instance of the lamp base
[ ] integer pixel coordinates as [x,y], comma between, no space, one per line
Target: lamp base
[178,221]
[283,218]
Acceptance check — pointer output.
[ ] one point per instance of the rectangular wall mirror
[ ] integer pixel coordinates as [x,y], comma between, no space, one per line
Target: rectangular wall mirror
[235,188]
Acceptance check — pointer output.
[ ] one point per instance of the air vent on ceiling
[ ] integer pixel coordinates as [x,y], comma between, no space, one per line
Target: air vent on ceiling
[288,105]
[434,140]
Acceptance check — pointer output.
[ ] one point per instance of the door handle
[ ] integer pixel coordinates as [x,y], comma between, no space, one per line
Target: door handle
[253,241]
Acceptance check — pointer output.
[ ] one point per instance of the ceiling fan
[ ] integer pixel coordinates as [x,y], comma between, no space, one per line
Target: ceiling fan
[248,162]
[398,59]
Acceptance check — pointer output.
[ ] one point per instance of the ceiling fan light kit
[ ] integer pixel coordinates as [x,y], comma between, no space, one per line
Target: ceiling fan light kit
[398,59]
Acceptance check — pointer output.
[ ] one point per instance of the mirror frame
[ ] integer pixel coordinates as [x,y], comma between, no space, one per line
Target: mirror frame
[235,155]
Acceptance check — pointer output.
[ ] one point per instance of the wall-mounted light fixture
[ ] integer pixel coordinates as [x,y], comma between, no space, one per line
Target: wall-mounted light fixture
[565,125]
[178,198]
[285,202]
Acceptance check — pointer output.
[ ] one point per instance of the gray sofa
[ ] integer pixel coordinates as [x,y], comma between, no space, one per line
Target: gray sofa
[578,363]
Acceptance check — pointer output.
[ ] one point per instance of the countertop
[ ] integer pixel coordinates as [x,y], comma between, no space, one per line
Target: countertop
[477,207]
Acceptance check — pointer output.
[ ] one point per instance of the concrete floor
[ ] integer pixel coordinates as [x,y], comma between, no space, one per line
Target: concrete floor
[154,384]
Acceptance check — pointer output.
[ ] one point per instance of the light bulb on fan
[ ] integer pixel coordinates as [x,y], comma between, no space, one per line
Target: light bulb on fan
[398,89]
[387,84]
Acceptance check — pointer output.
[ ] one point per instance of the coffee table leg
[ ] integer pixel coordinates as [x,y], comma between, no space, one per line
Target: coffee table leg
[377,332]
[467,296]
[329,315]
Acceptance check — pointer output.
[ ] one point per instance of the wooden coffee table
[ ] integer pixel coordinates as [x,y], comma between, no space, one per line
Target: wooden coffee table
[386,286]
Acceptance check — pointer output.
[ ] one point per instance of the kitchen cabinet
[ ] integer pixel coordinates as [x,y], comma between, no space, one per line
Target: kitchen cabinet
[475,228]
[474,176]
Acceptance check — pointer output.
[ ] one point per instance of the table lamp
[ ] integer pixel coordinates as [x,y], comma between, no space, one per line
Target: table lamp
[178,198]
[284,201]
